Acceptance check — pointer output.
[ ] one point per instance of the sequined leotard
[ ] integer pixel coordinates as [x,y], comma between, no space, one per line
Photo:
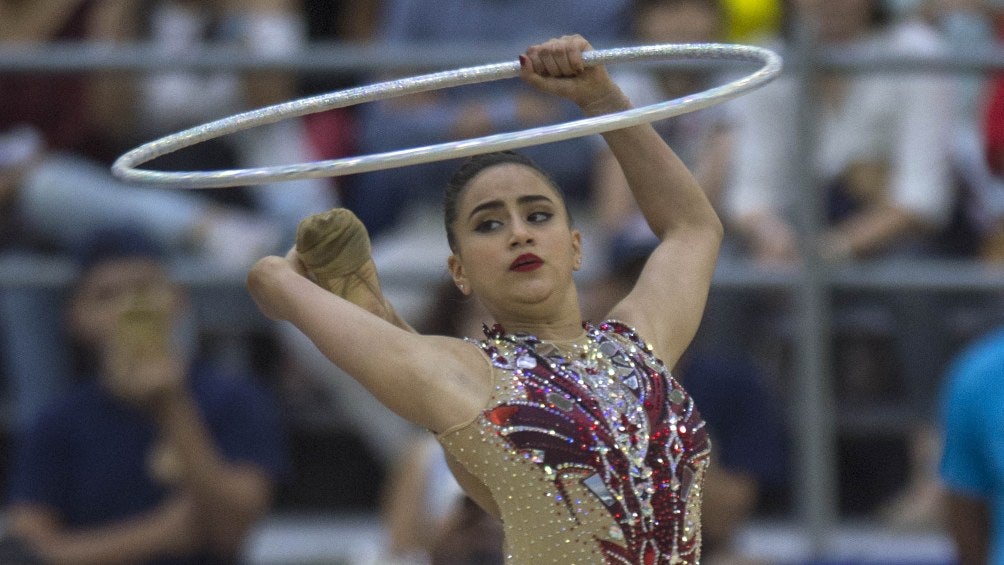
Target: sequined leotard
[592,452]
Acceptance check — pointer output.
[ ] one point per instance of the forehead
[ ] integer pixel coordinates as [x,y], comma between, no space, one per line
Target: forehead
[508,181]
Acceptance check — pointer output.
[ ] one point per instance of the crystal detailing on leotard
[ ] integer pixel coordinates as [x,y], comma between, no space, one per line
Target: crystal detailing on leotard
[591,450]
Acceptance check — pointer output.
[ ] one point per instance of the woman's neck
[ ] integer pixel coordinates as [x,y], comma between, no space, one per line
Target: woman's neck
[548,331]
[557,318]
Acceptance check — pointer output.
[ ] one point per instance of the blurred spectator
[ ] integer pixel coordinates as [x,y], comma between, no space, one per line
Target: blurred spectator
[968,27]
[466,534]
[58,128]
[333,132]
[881,156]
[55,186]
[746,422]
[882,145]
[976,27]
[49,202]
[57,135]
[150,456]
[342,20]
[177,99]
[995,126]
[989,180]
[972,463]
[380,198]
[428,517]
[84,113]
[420,494]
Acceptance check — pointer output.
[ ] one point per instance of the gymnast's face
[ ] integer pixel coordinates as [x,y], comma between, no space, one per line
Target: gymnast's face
[514,242]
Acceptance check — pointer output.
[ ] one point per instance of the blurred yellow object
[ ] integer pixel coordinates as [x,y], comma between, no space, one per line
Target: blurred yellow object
[752,20]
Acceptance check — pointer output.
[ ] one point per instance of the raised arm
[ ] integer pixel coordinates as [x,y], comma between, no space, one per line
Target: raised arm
[668,300]
[435,382]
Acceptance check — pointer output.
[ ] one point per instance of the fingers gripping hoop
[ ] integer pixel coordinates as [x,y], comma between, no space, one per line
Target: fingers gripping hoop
[125,166]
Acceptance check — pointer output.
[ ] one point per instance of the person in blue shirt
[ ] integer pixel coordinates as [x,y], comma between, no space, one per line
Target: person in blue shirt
[972,462]
[151,456]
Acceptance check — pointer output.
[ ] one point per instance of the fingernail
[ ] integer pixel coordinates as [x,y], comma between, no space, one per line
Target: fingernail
[522,60]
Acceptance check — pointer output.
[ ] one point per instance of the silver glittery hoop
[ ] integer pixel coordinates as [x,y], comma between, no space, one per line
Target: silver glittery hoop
[125,166]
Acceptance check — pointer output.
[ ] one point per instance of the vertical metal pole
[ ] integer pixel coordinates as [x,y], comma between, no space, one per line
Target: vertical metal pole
[816,488]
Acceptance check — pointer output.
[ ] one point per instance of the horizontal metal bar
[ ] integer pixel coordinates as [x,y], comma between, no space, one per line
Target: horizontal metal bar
[354,57]
[923,275]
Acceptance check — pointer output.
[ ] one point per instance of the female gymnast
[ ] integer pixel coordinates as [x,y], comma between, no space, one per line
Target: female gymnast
[573,433]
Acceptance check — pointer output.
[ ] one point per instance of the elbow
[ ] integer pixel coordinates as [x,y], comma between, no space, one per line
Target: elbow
[715,236]
[706,227]
[263,272]
[264,284]
[710,232]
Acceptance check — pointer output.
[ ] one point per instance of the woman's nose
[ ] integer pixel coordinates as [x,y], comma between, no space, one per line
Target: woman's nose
[520,234]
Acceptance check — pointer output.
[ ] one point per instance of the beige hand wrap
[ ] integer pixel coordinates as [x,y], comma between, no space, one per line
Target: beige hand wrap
[335,248]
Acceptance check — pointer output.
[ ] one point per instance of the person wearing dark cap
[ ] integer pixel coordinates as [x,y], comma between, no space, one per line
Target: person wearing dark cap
[151,456]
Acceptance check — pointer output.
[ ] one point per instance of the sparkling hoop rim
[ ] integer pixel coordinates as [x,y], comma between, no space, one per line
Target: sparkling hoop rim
[125,166]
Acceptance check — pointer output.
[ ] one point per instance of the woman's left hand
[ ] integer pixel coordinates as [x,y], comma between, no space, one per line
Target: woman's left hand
[557,67]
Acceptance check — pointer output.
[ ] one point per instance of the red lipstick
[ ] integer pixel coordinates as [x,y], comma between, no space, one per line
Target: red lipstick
[526,262]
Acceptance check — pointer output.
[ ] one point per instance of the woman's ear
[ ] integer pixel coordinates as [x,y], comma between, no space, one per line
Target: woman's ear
[457,272]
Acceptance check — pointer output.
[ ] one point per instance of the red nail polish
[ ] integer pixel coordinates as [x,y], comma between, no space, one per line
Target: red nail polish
[522,60]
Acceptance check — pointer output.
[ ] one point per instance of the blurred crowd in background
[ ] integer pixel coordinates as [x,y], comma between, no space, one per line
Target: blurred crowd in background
[908,165]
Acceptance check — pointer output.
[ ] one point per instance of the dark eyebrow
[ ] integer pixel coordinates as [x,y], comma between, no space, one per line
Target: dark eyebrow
[493,204]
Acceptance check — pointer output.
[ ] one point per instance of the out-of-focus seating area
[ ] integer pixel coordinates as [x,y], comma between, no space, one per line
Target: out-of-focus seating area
[862,194]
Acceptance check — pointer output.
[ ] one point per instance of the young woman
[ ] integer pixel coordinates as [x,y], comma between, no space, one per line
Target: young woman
[574,434]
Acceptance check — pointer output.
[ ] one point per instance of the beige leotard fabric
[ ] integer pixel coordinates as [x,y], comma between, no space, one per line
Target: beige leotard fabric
[591,451]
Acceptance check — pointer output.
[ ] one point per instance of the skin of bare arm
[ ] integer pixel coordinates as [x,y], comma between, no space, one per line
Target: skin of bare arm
[435,382]
[668,301]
